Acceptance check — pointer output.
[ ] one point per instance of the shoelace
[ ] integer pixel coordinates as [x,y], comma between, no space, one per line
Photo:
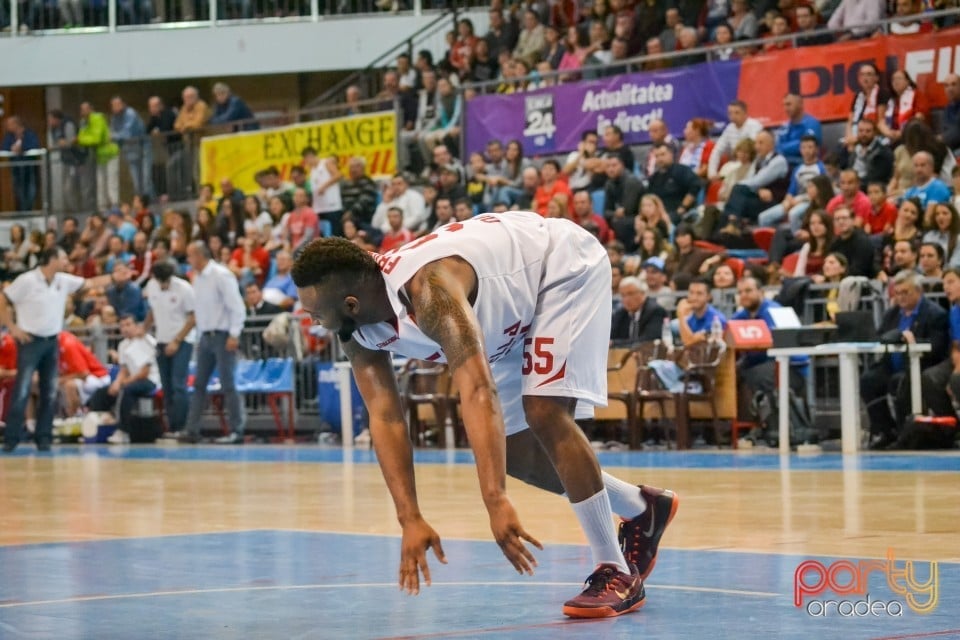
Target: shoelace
[599,581]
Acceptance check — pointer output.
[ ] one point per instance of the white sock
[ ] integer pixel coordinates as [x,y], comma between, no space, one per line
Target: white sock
[596,520]
[625,498]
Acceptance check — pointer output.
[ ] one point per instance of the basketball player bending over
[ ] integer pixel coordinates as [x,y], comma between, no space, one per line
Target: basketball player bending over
[519,308]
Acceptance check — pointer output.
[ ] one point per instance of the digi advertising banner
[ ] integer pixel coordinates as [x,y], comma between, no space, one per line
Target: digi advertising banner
[551,120]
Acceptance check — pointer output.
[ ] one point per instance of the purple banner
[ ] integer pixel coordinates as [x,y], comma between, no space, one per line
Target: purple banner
[551,120]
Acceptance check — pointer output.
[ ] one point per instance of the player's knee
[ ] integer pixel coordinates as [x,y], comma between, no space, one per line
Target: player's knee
[543,413]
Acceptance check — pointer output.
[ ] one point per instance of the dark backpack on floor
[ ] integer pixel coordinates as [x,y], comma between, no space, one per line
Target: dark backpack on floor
[766,413]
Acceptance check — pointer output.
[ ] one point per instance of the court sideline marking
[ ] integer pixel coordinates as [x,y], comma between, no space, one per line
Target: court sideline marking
[369,585]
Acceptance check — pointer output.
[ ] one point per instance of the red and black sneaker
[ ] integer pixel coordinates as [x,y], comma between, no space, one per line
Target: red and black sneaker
[609,592]
[640,537]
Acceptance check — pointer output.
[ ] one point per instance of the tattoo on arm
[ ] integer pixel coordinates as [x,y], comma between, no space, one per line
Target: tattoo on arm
[446,317]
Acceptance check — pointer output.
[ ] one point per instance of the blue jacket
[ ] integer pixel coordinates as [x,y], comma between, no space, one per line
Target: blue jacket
[128,300]
[232,110]
[754,358]
[30,141]
[788,137]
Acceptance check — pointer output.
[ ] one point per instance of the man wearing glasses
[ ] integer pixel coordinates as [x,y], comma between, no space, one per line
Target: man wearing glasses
[913,319]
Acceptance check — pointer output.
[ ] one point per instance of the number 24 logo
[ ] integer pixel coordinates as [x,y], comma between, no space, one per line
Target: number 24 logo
[541,361]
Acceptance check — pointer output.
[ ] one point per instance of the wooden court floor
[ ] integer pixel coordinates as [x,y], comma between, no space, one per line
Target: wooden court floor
[765,508]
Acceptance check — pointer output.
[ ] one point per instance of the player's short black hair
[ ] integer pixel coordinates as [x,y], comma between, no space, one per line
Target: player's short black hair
[324,258]
[810,138]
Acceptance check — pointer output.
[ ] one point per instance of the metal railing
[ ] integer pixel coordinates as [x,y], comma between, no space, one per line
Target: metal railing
[367,79]
[25,17]
[27,174]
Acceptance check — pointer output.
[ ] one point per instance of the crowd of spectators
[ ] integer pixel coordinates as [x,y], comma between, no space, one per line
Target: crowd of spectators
[534,44]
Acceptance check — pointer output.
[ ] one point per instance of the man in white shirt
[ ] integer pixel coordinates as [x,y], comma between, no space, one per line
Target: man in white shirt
[399,194]
[325,181]
[171,315]
[219,317]
[859,16]
[39,298]
[138,377]
[740,127]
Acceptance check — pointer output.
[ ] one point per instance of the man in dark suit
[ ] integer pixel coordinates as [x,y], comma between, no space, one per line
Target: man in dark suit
[913,319]
[256,305]
[639,320]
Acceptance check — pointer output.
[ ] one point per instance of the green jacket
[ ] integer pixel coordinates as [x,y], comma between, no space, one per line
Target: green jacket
[95,133]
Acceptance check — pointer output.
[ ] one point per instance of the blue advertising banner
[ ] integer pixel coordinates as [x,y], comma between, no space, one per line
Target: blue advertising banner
[551,120]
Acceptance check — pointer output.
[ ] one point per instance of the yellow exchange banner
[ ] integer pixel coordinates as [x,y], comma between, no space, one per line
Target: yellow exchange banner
[239,156]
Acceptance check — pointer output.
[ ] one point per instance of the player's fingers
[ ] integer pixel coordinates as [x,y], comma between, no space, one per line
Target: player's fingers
[409,577]
[527,554]
[515,552]
[529,538]
[424,568]
[438,551]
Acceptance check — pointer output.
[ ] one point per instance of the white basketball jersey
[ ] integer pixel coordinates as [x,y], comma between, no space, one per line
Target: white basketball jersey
[508,253]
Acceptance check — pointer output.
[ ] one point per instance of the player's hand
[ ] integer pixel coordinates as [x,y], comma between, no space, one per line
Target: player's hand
[510,535]
[418,536]
[20,335]
[232,344]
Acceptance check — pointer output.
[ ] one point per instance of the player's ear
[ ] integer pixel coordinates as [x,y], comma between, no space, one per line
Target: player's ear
[351,305]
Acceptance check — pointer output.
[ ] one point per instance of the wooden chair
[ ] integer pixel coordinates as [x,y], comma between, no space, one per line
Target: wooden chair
[699,363]
[648,387]
[425,383]
[627,396]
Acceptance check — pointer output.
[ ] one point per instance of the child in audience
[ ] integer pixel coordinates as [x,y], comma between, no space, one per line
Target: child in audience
[883,212]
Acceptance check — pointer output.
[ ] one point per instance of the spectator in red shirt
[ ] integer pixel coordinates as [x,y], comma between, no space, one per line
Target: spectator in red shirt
[883,213]
[142,261]
[83,264]
[779,26]
[81,374]
[302,224]
[552,183]
[398,235]
[461,51]
[8,371]
[250,262]
[851,196]
[584,214]
[906,103]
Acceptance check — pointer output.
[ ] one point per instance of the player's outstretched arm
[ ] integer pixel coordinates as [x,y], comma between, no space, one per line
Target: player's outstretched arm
[439,293]
[388,430]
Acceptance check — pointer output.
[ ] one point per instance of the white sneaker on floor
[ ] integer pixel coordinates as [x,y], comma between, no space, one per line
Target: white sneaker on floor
[232,438]
[362,439]
[119,437]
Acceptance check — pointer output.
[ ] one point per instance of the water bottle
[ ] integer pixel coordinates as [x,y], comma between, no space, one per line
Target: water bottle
[666,336]
[716,330]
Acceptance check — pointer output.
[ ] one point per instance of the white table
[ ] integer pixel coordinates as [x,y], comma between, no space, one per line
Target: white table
[344,372]
[848,353]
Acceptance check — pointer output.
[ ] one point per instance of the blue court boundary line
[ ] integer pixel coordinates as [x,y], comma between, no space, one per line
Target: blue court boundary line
[934,462]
